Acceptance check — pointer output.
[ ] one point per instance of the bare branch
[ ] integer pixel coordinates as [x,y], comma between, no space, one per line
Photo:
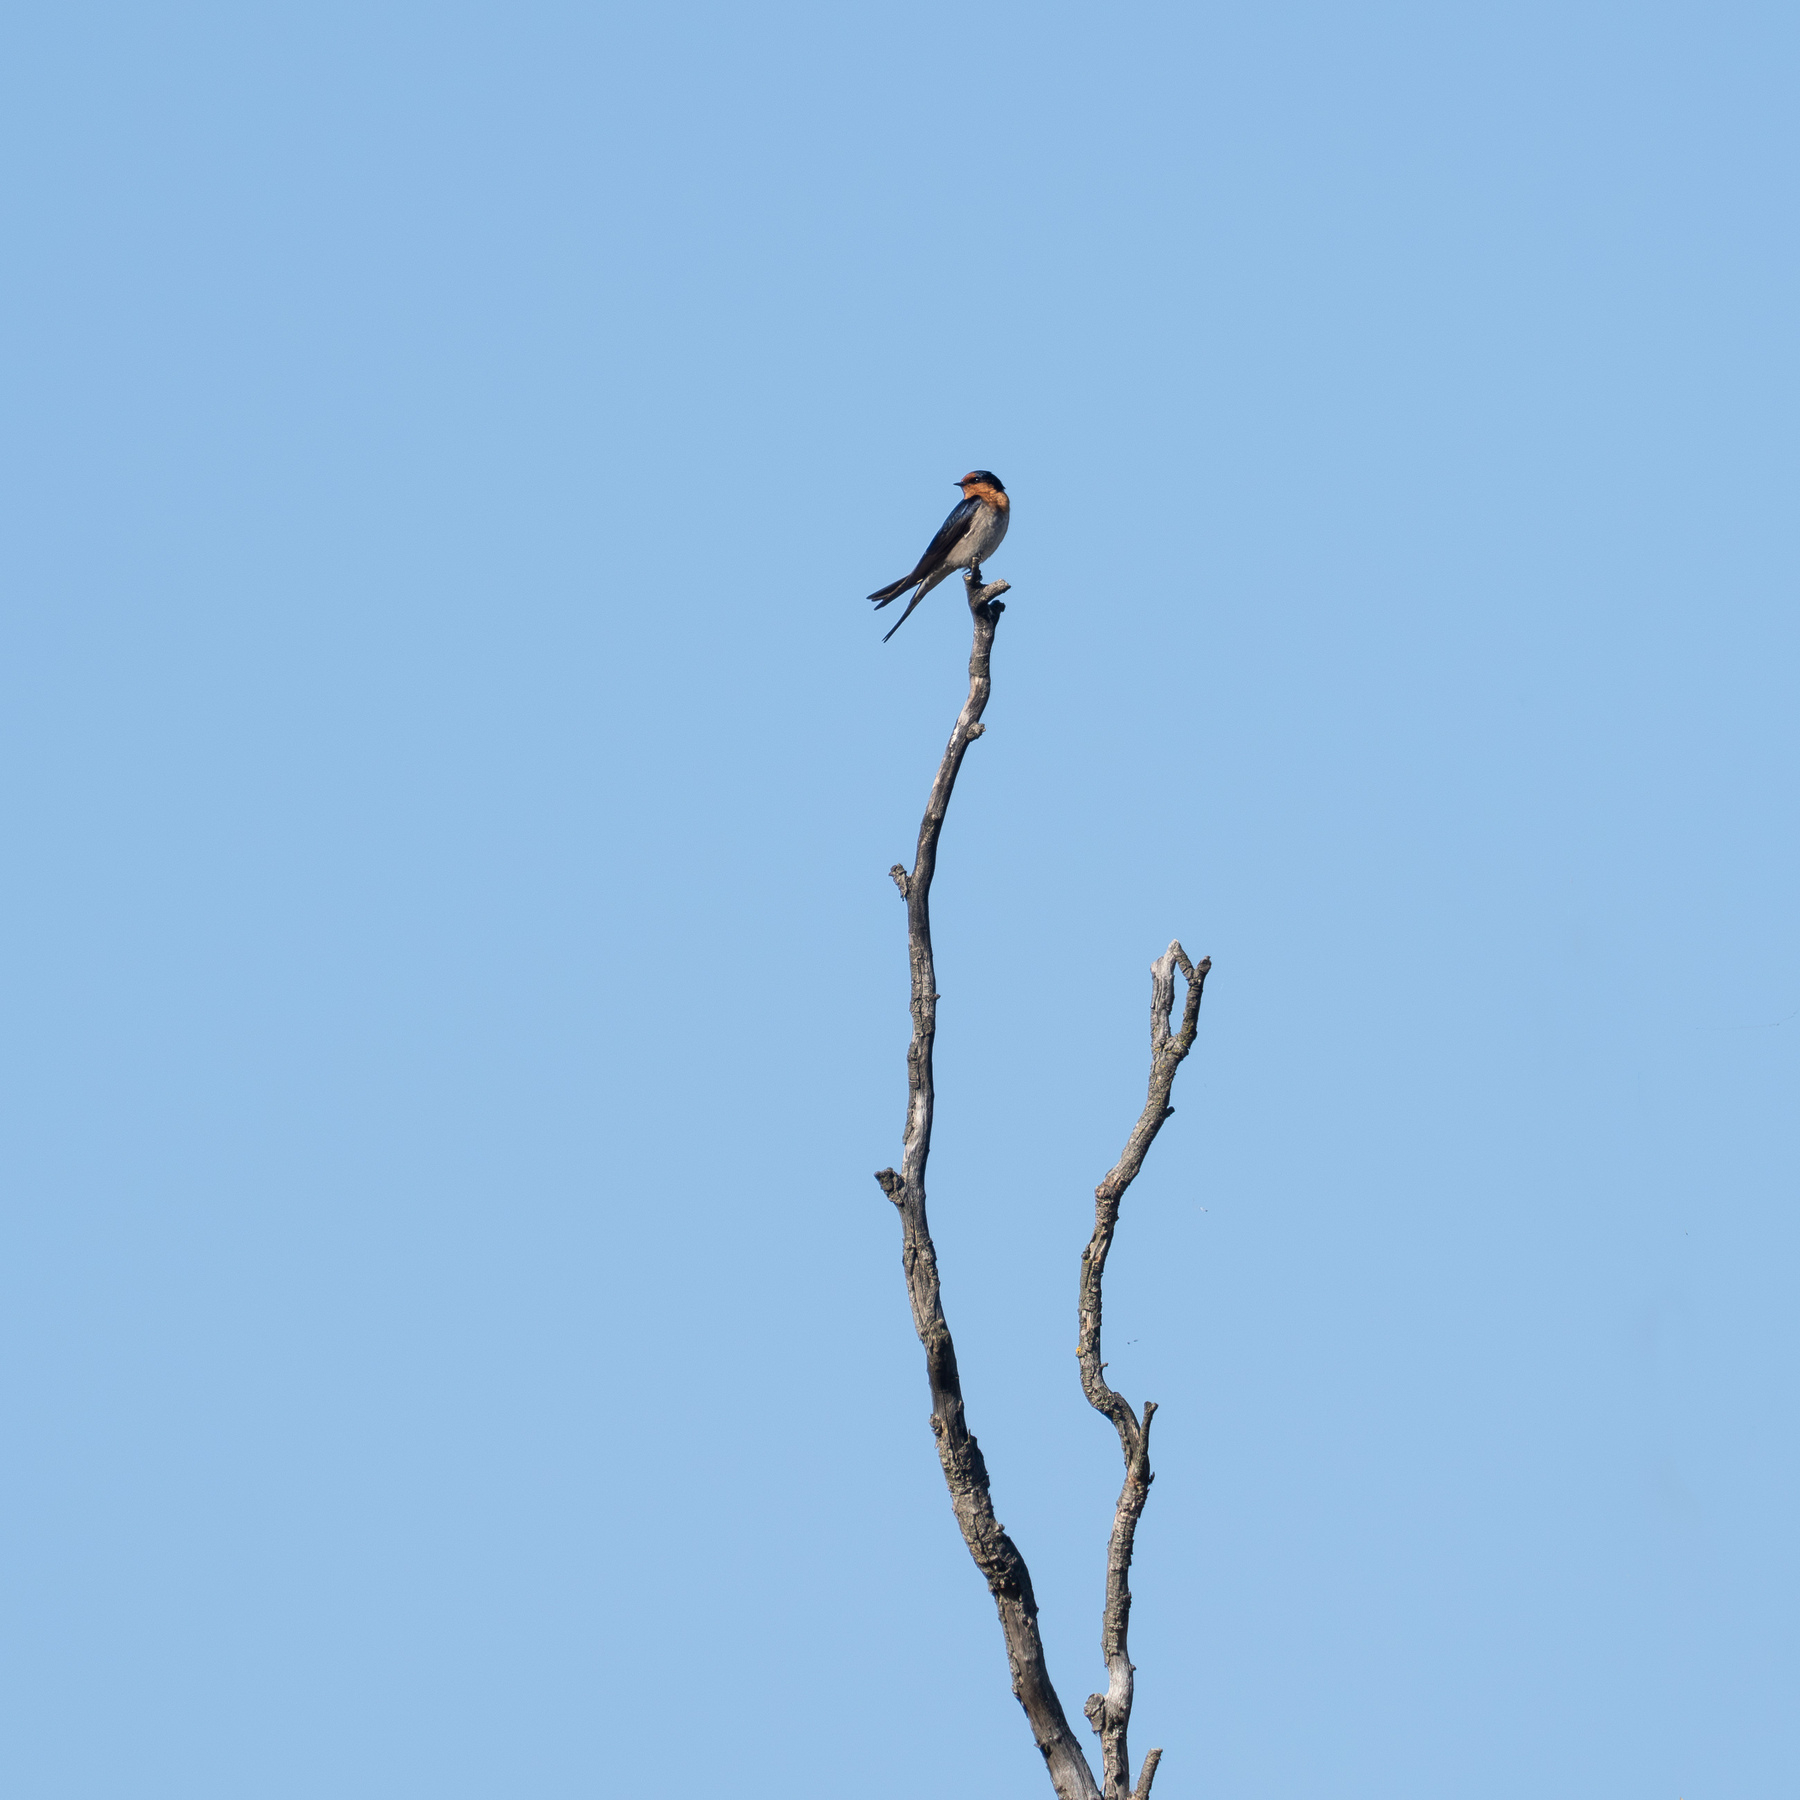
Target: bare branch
[1110,1713]
[1146,1775]
[965,1471]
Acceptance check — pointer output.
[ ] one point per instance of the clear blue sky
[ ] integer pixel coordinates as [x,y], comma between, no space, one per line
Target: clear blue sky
[454,1000]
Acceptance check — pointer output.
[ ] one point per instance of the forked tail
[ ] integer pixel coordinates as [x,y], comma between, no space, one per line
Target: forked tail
[920,595]
[893,590]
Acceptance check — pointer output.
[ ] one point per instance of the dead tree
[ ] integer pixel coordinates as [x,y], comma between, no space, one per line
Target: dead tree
[965,1471]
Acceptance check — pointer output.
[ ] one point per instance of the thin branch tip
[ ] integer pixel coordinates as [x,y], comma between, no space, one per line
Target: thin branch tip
[1190,971]
[1168,1050]
[1146,1775]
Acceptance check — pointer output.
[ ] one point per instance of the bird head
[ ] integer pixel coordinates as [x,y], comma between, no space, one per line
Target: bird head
[977,479]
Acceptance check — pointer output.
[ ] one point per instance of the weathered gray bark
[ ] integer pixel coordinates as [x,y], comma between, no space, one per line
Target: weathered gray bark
[1110,1713]
[965,1470]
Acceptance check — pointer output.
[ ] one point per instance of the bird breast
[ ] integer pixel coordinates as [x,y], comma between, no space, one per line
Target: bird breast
[983,537]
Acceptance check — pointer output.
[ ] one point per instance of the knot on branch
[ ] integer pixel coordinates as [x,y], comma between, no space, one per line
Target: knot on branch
[897,875]
[984,597]
[976,731]
[1001,1566]
[891,1184]
[1096,1711]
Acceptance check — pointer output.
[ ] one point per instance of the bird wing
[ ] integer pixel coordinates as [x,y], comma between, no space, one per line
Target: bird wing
[948,533]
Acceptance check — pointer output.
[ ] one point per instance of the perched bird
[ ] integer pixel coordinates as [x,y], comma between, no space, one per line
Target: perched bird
[974,528]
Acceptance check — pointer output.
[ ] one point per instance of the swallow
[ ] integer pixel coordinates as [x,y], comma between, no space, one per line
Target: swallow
[973,530]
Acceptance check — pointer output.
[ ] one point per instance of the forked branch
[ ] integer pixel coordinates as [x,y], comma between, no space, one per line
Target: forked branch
[1110,1713]
[965,1471]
